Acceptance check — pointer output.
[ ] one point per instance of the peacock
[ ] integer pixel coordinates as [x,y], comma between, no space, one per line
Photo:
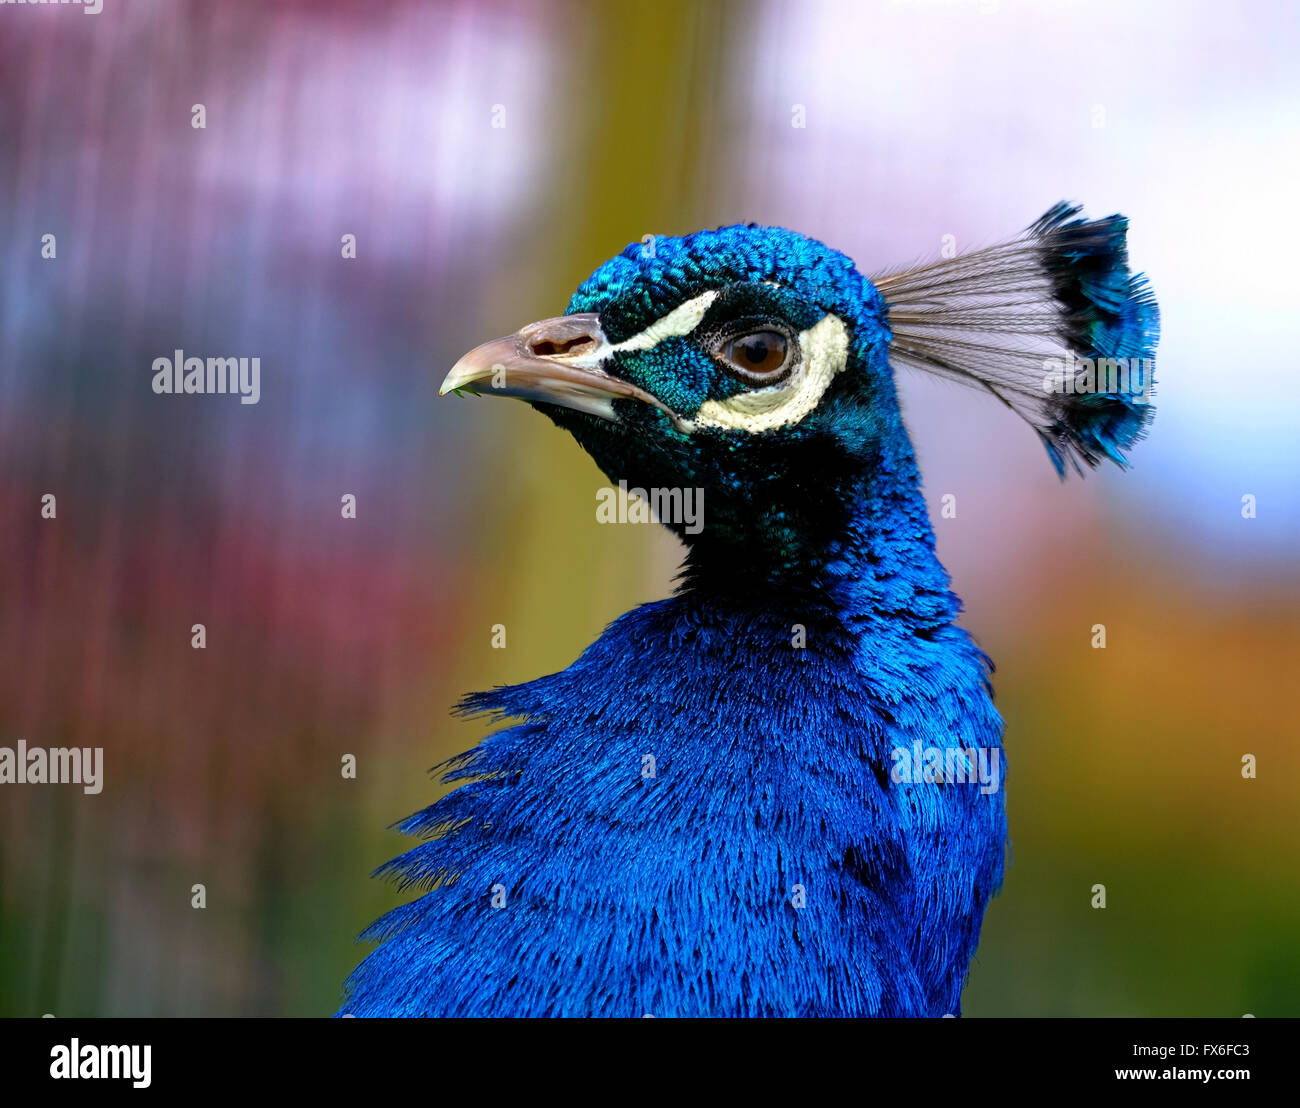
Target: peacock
[779,791]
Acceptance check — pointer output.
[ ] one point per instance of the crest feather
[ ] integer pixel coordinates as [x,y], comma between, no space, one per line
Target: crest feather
[1052,323]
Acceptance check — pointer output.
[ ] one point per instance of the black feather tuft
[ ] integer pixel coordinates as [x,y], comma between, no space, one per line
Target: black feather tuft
[1052,323]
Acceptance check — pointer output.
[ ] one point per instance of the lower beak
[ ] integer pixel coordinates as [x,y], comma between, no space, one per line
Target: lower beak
[555,361]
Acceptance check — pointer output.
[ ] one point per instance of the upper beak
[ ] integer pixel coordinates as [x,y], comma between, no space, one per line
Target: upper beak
[554,361]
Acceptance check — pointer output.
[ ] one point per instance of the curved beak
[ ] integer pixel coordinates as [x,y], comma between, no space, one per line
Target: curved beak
[554,361]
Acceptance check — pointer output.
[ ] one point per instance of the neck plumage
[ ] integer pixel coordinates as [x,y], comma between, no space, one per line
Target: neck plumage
[857,549]
[716,765]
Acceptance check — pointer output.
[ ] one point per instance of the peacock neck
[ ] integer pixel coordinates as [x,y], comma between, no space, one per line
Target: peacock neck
[859,552]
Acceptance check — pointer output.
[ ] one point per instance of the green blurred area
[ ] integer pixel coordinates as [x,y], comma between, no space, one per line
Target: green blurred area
[1126,771]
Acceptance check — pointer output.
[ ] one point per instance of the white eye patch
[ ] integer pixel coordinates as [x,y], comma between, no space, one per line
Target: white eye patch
[825,349]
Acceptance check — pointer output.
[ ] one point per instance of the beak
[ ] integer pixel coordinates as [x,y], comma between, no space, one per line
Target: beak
[555,361]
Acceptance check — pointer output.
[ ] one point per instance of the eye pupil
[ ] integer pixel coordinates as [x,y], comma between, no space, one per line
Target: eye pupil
[760,354]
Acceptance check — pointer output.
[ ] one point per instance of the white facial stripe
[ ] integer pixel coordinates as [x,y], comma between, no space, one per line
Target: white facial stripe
[682,320]
[825,349]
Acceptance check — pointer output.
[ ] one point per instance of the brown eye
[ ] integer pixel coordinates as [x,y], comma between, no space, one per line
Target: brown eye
[761,354]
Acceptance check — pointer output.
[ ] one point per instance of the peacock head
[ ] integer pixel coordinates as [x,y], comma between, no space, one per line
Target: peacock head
[747,362]
[754,363]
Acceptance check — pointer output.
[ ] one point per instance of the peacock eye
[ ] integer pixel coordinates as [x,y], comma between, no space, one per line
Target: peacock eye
[761,355]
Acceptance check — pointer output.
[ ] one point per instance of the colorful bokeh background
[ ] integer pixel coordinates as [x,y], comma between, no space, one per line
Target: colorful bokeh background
[487,156]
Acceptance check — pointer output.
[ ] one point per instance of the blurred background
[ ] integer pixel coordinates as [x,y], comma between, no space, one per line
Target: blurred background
[486,157]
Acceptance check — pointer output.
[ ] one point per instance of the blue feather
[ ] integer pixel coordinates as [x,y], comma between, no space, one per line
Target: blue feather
[1107,312]
[624,895]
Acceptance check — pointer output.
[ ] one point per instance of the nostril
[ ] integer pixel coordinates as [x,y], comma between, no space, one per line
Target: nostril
[569,336]
[549,348]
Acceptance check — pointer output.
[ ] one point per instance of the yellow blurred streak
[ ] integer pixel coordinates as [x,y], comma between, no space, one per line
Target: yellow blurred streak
[639,91]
